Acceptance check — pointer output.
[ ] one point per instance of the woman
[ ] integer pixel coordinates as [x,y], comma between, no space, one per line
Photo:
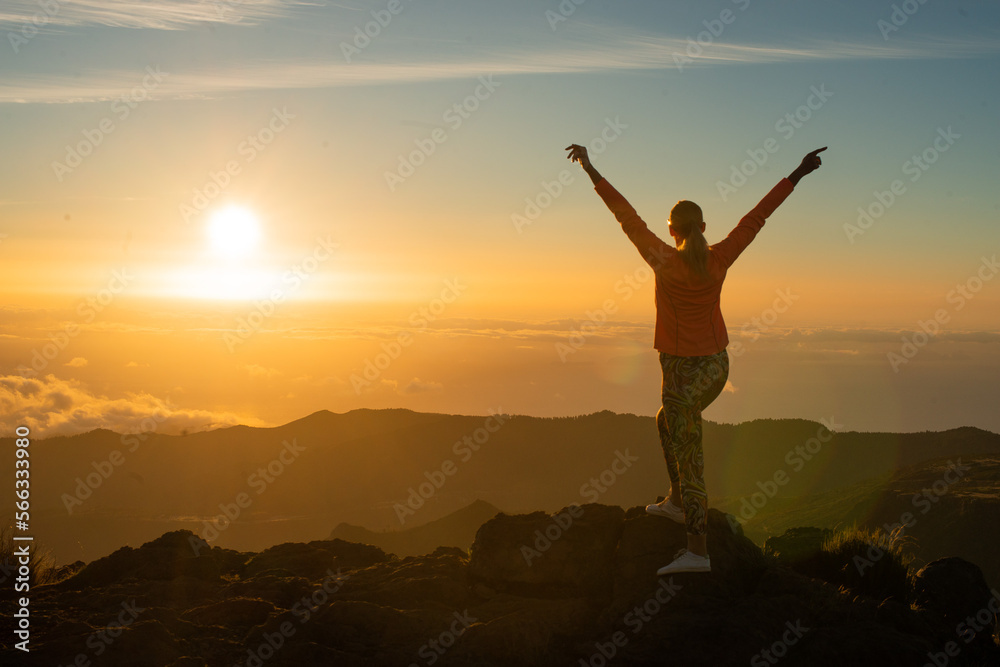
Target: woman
[690,337]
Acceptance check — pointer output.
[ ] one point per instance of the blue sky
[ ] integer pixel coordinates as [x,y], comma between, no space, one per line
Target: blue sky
[689,126]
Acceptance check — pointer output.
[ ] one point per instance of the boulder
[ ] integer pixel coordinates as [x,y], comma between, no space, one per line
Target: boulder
[567,554]
[956,591]
[798,548]
[235,613]
[314,559]
[650,542]
[177,553]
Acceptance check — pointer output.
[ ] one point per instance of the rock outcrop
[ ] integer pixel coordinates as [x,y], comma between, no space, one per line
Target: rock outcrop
[578,587]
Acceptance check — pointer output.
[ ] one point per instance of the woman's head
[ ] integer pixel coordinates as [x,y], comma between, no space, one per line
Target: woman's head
[687,226]
[685,216]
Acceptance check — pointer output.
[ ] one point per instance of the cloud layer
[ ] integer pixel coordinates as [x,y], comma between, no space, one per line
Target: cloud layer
[50,406]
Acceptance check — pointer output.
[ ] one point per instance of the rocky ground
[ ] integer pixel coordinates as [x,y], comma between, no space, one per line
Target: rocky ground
[575,588]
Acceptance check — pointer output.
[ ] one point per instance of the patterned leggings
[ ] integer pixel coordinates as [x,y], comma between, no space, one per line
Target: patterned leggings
[690,384]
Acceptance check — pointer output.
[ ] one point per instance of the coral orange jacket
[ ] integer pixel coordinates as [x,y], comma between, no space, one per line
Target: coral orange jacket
[688,312]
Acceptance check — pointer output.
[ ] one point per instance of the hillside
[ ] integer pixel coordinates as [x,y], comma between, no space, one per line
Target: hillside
[944,507]
[100,490]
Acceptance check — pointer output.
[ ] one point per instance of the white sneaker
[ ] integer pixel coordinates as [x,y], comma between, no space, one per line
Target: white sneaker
[667,509]
[685,561]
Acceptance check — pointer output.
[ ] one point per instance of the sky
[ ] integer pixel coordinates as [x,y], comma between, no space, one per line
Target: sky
[244,212]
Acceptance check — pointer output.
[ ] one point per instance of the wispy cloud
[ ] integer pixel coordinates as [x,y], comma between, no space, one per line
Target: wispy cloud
[418,386]
[615,51]
[258,371]
[151,14]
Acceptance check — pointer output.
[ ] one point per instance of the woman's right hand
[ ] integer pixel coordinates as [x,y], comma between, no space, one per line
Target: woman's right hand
[578,153]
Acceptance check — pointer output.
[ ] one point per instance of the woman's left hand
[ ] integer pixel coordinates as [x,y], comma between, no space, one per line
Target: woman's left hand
[811,162]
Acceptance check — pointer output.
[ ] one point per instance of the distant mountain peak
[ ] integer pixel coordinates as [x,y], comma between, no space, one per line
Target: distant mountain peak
[456,529]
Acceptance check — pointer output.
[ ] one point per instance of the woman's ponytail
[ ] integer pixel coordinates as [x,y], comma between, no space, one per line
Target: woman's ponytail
[694,251]
[687,219]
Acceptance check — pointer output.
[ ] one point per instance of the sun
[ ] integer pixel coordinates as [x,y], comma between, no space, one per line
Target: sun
[234,232]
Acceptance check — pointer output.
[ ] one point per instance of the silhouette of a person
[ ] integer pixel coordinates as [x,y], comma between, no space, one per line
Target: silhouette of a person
[690,336]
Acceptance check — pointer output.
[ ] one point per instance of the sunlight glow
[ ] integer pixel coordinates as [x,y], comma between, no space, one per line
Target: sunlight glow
[226,283]
[234,232]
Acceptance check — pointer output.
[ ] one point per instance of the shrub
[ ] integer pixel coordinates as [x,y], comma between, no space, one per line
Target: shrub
[869,562]
[40,564]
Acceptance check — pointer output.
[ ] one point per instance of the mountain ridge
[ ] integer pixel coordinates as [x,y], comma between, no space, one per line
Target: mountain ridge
[359,467]
[325,414]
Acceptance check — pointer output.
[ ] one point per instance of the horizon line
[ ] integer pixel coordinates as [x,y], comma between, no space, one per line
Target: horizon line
[222,427]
